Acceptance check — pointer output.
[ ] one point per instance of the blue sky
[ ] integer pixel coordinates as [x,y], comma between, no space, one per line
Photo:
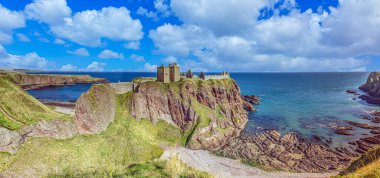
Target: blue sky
[238,36]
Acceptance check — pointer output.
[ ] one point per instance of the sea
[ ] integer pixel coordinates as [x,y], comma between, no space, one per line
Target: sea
[309,104]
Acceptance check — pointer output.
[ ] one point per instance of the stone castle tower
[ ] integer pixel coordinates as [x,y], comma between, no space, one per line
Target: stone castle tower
[167,74]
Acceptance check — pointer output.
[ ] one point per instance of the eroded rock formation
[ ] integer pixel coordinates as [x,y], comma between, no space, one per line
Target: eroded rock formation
[210,112]
[95,109]
[372,87]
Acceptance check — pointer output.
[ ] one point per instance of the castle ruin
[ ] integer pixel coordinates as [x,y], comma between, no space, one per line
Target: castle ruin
[168,74]
[172,74]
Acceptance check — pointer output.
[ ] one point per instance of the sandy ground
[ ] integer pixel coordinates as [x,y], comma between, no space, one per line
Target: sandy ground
[225,167]
[64,110]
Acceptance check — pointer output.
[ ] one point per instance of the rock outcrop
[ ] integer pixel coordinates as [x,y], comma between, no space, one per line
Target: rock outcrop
[9,140]
[35,81]
[210,113]
[95,109]
[288,152]
[372,87]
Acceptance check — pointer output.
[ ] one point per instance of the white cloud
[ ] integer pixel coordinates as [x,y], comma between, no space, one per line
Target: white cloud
[9,20]
[144,12]
[89,27]
[96,66]
[222,17]
[169,59]
[48,11]
[108,54]
[59,41]
[86,27]
[22,37]
[27,61]
[137,58]
[135,45]
[298,41]
[80,52]
[69,67]
[149,68]
[162,7]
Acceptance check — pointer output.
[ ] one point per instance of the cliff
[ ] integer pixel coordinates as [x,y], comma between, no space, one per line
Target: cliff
[372,87]
[35,81]
[209,113]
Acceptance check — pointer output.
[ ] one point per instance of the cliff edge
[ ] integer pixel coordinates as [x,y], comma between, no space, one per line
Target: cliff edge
[35,81]
[372,87]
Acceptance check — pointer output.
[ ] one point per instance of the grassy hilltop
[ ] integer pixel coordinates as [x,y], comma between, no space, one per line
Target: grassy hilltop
[128,147]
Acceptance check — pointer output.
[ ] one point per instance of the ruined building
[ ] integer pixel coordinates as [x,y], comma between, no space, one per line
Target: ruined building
[168,74]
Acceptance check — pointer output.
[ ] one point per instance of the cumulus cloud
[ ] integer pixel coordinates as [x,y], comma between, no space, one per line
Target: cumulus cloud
[86,27]
[108,54]
[145,12]
[27,61]
[222,17]
[10,20]
[149,67]
[135,45]
[96,66]
[48,11]
[137,58]
[69,67]
[297,41]
[80,52]
[22,37]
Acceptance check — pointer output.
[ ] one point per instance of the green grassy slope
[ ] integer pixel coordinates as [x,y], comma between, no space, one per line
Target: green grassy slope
[126,141]
[368,165]
[18,108]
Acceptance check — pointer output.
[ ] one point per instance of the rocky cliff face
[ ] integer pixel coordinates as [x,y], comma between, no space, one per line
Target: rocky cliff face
[35,81]
[372,87]
[210,113]
[95,109]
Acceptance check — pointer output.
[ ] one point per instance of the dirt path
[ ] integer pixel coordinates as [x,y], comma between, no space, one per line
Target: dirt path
[225,167]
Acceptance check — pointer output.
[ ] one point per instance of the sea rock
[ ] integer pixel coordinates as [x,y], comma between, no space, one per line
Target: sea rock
[253,99]
[9,140]
[372,87]
[343,130]
[362,125]
[351,91]
[248,107]
[213,110]
[95,109]
[375,131]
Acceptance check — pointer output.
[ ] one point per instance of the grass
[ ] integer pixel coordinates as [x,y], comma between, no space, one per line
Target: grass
[368,165]
[143,79]
[18,108]
[126,141]
[173,167]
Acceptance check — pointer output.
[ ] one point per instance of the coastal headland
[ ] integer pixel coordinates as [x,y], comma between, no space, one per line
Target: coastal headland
[125,129]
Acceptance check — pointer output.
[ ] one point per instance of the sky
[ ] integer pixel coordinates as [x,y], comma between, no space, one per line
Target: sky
[202,35]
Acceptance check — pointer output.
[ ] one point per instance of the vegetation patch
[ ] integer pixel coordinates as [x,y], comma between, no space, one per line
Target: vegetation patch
[368,165]
[126,141]
[18,108]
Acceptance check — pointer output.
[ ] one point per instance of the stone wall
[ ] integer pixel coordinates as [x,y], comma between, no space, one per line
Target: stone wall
[123,87]
[216,77]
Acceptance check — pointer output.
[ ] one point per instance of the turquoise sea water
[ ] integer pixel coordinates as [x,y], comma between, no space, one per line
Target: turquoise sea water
[307,103]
